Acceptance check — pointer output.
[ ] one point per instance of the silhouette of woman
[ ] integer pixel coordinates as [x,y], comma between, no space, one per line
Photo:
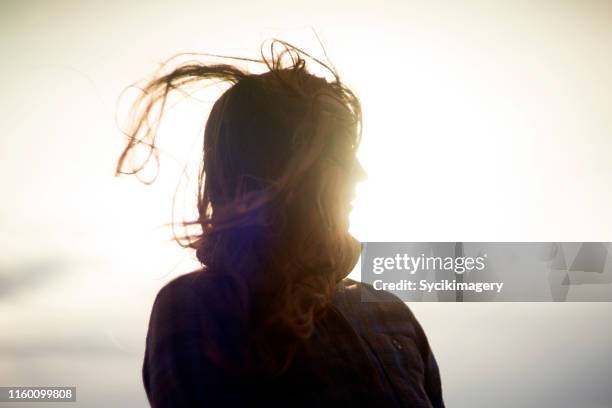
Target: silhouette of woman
[271,318]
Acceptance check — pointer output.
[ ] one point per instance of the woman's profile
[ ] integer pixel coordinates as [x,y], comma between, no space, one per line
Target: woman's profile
[271,318]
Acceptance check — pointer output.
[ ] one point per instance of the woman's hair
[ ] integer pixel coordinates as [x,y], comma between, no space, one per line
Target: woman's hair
[275,182]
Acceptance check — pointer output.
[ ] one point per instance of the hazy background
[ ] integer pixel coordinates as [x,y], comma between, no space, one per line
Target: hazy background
[484,121]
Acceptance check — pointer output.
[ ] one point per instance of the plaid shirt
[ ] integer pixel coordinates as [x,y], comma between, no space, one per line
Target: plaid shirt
[362,353]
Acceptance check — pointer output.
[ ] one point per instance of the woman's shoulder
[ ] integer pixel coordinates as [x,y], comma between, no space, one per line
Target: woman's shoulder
[370,309]
[199,285]
[352,291]
[391,330]
[199,279]
[188,331]
[194,297]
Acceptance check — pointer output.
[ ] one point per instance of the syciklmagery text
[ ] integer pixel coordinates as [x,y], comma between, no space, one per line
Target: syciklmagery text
[439,286]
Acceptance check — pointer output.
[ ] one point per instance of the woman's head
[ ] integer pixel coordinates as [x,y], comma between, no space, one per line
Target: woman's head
[277,177]
[272,128]
[279,148]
